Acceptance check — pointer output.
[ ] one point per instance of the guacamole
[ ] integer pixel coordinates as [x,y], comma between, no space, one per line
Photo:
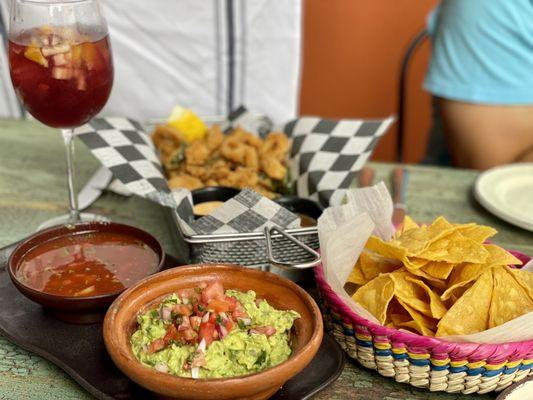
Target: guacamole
[211,333]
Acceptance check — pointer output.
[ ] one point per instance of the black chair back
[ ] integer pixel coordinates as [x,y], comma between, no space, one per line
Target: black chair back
[404,73]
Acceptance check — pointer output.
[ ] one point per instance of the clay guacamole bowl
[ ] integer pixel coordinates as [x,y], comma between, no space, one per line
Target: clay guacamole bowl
[306,335]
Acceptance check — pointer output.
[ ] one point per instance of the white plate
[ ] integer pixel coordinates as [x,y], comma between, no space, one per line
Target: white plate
[507,192]
[522,390]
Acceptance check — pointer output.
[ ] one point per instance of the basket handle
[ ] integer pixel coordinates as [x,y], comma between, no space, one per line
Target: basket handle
[309,264]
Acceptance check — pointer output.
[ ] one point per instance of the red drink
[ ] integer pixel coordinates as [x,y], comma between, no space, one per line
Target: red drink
[62,77]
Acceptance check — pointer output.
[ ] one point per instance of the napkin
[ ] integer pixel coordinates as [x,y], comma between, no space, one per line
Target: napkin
[343,231]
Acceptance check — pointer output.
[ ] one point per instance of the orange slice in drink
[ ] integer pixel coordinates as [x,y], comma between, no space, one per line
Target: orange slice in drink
[86,54]
[34,54]
[76,55]
[91,57]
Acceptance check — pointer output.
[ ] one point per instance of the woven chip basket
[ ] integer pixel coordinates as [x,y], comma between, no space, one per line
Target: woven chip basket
[424,362]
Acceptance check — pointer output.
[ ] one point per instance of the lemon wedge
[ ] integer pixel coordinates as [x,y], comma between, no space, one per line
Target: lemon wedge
[188,123]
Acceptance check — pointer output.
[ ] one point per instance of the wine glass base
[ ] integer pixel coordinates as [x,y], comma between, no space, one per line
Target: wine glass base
[65,219]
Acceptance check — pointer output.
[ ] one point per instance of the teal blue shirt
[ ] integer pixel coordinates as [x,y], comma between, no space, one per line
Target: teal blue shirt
[482,51]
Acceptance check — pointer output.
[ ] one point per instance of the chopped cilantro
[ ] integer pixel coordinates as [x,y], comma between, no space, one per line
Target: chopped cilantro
[262,358]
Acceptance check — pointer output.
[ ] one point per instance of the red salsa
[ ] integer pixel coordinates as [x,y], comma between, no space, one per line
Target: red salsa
[89,264]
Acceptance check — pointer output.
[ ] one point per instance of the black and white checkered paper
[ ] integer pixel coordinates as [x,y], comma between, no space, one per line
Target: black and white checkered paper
[126,150]
[246,212]
[122,146]
[325,156]
[259,124]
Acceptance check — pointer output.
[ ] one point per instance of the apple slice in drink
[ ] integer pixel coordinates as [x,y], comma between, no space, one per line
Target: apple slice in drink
[58,49]
[62,73]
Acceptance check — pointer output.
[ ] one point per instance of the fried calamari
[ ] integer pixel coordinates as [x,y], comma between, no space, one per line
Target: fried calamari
[238,159]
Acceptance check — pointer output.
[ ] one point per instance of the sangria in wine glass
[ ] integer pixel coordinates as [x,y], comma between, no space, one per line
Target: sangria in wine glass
[61,68]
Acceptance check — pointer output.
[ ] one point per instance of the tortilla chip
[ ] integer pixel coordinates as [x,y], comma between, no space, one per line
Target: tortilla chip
[396,313]
[413,241]
[456,295]
[470,313]
[500,256]
[461,276]
[509,299]
[416,327]
[375,296]
[411,293]
[408,224]
[421,324]
[400,318]
[454,292]
[356,276]
[438,269]
[373,264]
[440,227]
[414,263]
[524,278]
[454,249]
[478,233]
[436,283]
[438,309]
[418,239]
[386,249]
[466,273]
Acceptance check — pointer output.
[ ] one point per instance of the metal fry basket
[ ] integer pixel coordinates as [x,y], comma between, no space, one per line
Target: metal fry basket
[292,249]
[285,249]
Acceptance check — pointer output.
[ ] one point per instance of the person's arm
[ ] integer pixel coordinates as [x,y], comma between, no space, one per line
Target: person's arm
[483,136]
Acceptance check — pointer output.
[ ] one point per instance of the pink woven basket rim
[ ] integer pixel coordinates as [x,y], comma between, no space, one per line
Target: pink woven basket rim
[493,353]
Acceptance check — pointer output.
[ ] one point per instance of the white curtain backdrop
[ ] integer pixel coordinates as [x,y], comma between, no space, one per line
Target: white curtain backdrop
[9,107]
[209,55]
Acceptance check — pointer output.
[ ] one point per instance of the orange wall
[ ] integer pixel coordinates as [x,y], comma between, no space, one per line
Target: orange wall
[351,64]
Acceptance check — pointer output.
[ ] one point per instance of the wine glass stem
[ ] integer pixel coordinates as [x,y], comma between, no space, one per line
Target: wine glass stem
[68,138]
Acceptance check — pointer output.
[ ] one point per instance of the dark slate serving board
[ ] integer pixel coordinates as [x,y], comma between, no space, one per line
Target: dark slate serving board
[79,349]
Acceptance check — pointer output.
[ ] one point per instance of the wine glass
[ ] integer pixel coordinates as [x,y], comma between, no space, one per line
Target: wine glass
[62,70]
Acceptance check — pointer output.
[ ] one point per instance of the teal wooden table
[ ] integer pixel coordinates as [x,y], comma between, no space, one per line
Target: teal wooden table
[33,189]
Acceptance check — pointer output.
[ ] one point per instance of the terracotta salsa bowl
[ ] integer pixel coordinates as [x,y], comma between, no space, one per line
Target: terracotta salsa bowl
[86,309]
[306,335]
